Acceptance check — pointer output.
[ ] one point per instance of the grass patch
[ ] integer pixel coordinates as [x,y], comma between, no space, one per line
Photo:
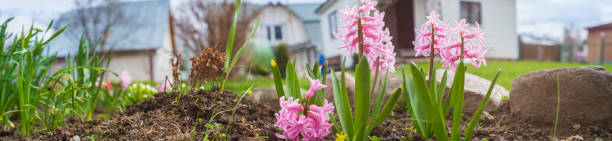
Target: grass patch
[510,70]
[513,69]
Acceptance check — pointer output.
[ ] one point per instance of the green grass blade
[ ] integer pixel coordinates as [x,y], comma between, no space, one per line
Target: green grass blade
[362,98]
[239,53]
[232,33]
[470,128]
[558,106]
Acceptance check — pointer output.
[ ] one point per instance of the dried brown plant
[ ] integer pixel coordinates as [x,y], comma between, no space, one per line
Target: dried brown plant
[207,65]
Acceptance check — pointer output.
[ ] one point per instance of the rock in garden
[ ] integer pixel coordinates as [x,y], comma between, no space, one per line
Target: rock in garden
[586,97]
[350,86]
[475,90]
[265,95]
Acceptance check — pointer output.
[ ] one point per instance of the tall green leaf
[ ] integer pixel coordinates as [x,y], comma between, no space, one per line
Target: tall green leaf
[343,106]
[469,131]
[362,98]
[457,103]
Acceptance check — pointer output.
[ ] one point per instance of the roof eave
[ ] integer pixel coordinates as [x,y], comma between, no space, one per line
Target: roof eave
[323,6]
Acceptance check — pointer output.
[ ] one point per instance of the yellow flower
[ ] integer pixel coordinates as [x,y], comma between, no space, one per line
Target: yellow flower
[249,92]
[272,63]
[401,86]
[340,136]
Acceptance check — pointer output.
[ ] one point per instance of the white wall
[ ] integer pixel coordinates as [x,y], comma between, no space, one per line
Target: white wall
[330,45]
[292,27]
[162,66]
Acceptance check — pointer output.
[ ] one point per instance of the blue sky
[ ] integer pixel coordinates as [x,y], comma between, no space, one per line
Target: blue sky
[546,17]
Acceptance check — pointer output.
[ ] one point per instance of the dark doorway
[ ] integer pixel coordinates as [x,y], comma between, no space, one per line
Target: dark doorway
[399,17]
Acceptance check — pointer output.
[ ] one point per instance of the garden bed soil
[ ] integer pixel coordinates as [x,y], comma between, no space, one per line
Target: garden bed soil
[494,126]
[162,118]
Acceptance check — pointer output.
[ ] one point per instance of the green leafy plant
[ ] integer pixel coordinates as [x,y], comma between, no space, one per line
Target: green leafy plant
[425,103]
[41,99]
[281,55]
[231,61]
[359,125]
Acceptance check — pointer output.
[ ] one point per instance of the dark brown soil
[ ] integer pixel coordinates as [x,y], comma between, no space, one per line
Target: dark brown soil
[162,118]
[498,125]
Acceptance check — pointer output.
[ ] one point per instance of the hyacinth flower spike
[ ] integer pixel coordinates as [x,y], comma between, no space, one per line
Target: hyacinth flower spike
[309,121]
[366,35]
[463,47]
[125,79]
[315,85]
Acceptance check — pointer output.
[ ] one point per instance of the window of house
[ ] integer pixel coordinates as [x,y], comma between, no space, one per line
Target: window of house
[278,32]
[274,32]
[269,33]
[471,11]
[333,23]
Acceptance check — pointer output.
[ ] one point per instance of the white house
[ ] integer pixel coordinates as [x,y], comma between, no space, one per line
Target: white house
[281,25]
[496,17]
[145,52]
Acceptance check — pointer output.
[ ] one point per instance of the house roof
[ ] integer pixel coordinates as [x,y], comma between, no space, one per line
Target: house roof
[146,22]
[306,12]
[601,27]
[323,5]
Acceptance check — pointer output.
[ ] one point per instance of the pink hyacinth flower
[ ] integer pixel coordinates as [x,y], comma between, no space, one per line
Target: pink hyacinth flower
[472,51]
[315,85]
[167,85]
[376,39]
[289,120]
[125,79]
[312,126]
[422,43]
[319,121]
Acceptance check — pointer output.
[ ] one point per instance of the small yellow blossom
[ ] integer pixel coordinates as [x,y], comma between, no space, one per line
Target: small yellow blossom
[340,136]
[272,63]
[249,92]
[401,86]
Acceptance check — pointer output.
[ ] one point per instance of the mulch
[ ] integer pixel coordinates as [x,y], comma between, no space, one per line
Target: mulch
[163,118]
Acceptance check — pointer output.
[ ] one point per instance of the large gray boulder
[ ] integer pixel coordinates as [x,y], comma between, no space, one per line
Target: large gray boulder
[475,90]
[586,97]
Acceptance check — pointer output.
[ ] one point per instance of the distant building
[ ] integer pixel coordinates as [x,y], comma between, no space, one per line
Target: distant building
[296,26]
[497,18]
[600,38]
[145,53]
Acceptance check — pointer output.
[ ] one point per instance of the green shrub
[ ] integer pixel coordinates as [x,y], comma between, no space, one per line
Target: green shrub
[281,55]
[260,56]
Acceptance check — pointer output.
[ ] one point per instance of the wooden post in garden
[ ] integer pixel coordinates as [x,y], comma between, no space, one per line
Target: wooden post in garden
[603,38]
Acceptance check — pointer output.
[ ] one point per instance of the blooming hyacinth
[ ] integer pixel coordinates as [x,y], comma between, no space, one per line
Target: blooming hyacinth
[125,79]
[164,86]
[376,39]
[422,43]
[314,125]
[472,51]
[314,86]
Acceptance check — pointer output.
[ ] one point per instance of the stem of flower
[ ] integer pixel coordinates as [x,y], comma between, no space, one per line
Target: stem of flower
[306,107]
[375,75]
[360,37]
[431,56]
[462,52]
